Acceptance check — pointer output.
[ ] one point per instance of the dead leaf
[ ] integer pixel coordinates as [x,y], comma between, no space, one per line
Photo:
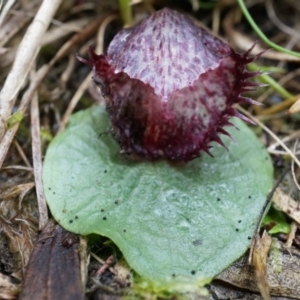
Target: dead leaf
[53,271]
[283,272]
[259,260]
[295,107]
[286,204]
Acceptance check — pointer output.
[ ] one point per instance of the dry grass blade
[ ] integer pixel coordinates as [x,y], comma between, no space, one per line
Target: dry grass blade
[272,147]
[25,57]
[17,22]
[271,133]
[16,190]
[84,85]
[5,9]
[293,168]
[260,255]
[63,30]
[10,133]
[292,234]
[37,162]
[40,75]
[22,154]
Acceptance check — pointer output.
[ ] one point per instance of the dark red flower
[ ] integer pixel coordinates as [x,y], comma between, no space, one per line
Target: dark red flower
[170,86]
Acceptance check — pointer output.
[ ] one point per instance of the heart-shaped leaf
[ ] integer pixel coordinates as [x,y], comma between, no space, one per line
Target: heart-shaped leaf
[168,219]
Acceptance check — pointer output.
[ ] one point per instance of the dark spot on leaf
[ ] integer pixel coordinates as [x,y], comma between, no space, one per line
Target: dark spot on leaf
[76,217]
[193,272]
[71,221]
[236,229]
[249,238]
[124,230]
[64,211]
[104,218]
[197,242]
[105,171]
[239,221]
[102,210]
[249,197]
[53,193]
[116,201]
[173,275]
[218,199]
[49,188]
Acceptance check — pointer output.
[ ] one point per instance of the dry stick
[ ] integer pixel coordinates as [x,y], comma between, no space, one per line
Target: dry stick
[271,133]
[25,57]
[64,30]
[5,9]
[14,167]
[291,235]
[76,39]
[22,154]
[80,91]
[281,81]
[84,85]
[293,168]
[10,133]
[68,70]
[40,75]
[37,162]
[17,22]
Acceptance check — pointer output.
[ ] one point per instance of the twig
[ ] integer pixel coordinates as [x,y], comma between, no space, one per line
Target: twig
[10,133]
[107,264]
[291,235]
[84,85]
[288,138]
[37,161]
[40,75]
[101,261]
[271,133]
[293,168]
[25,57]
[64,30]
[13,25]
[22,154]
[5,9]
[14,167]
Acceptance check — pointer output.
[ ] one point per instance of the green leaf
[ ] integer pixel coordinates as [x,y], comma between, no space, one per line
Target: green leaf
[168,219]
[280,220]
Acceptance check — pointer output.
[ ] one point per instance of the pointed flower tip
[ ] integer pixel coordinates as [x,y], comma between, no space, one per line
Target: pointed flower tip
[83,60]
[244,118]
